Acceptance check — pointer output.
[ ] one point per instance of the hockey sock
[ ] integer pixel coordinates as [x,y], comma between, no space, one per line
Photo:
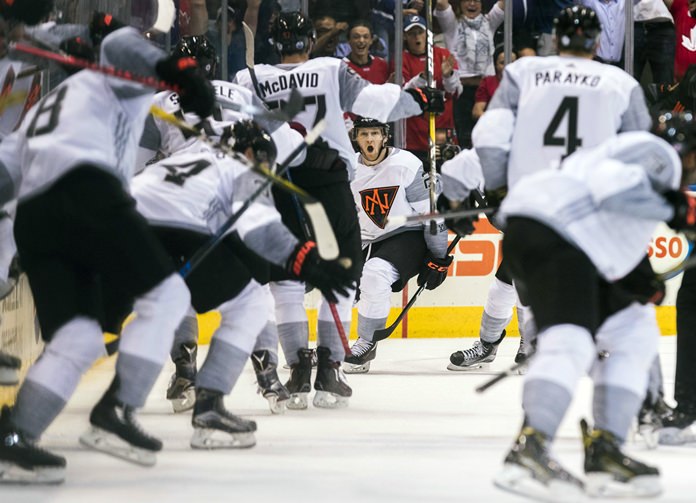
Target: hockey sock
[327,332]
[497,312]
[378,275]
[267,340]
[222,367]
[491,328]
[614,409]
[545,403]
[291,318]
[367,326]
[35,409]
[146,341]
[186,333]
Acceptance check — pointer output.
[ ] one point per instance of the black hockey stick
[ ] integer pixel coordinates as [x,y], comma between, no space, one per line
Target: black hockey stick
[504,374]
[381,334]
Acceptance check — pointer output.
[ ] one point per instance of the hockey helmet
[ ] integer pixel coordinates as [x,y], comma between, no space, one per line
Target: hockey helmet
[199,48]
[292,33]
[77,47]
[246,134]
[367,122]
[577,28]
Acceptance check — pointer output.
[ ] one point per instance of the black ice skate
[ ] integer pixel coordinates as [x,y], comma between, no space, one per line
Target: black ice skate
[115,431]
[529,470]
[650,418]
[477,356]
[214,427]
[300,383]
[314,360]
[610,473]
[361,354]
[9,369]
[268,383]
[181,391]
[677,429]
[22,462]
[332,390]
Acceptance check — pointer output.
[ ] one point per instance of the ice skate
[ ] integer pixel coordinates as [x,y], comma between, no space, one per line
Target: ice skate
[22,462]
[529,470]
[677,429]
[650,419]
[477,356]
[181,391]
[9,369]
[115,431]
[314,360]
[214,427]
[269,386]
[332,390]
[610,473]
[361,354]
[300,383]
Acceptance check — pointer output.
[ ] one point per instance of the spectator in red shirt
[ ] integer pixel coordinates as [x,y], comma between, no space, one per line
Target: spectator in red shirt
[489,84]
[369,67]
[684,14]
[445,77]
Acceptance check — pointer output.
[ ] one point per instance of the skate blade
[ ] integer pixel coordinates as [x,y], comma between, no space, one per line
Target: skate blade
[297,401]
[208,438]
[185,401]
[518,480]
[650,436]
[276,406]
[351,368]
[109,443]
[676,436]
[603,485]
[14,474]
[475,366]
[8,376]
[326,400]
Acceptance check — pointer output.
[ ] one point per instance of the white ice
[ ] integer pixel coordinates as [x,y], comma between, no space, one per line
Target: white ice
[414,432]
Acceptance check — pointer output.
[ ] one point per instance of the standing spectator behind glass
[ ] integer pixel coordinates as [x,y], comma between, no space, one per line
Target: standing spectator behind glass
[612,16]
[444,77]
[469,36]
[654,41]
[360,40]
[489,84]
[684,14]
[328,31]
[543,12]
[236,47]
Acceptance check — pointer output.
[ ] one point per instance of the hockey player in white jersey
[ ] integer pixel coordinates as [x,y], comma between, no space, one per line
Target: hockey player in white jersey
[329,88]
[545,109]
[78,234]
[161,138]
[186,198]
[390,182]
[578,259]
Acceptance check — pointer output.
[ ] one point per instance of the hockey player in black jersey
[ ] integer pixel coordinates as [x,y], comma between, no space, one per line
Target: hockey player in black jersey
[329,88]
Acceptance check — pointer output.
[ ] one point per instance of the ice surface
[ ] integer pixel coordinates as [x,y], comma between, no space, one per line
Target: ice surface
[414,432]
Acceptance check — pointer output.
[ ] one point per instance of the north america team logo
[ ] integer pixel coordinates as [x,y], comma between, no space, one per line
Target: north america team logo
[377,203]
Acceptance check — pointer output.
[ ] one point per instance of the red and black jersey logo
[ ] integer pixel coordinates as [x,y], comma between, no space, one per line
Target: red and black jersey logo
[377,203]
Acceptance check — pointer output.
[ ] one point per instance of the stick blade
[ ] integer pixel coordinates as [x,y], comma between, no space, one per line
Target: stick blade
[327,246]
[384,333]
[249,43]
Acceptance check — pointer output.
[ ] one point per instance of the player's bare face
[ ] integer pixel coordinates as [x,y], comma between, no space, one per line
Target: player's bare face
[371,143]
[359,40]
[470,8]
[415,40]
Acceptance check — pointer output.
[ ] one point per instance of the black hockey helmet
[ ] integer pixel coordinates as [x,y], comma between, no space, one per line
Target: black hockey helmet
[246,134]
[292,33]
[577,28]
[78,47]
[199,48]
[367,122]
[29,12]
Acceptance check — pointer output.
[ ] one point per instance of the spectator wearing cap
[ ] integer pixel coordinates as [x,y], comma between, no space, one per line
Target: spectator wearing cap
[490,83]
[469,35]
[444,77]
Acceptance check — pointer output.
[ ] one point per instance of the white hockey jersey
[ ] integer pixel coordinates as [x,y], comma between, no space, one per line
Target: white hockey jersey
[21,94]
[167,138]
[329,88]
[605,200]
[546,108]
[90,119]
[397,186]
[461,174]
[198,189]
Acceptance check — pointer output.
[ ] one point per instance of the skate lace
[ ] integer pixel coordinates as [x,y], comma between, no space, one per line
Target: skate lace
[128,418]
[361,347]
[474,351]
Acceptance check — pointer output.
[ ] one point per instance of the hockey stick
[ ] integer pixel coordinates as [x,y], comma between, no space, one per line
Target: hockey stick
[502,375]
[398,221]
[249,57]
[381,334]
[203,252]
[429,77]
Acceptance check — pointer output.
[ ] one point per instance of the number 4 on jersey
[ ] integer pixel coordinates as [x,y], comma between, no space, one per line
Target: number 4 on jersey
[568,107]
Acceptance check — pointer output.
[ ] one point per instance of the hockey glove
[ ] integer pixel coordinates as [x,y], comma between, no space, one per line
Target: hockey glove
[684,218]
[29,12]
[101,25]
[461,225]
[328,276]
[321,156]
[642,285]
[434,271]
[429,99]
[196,93]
